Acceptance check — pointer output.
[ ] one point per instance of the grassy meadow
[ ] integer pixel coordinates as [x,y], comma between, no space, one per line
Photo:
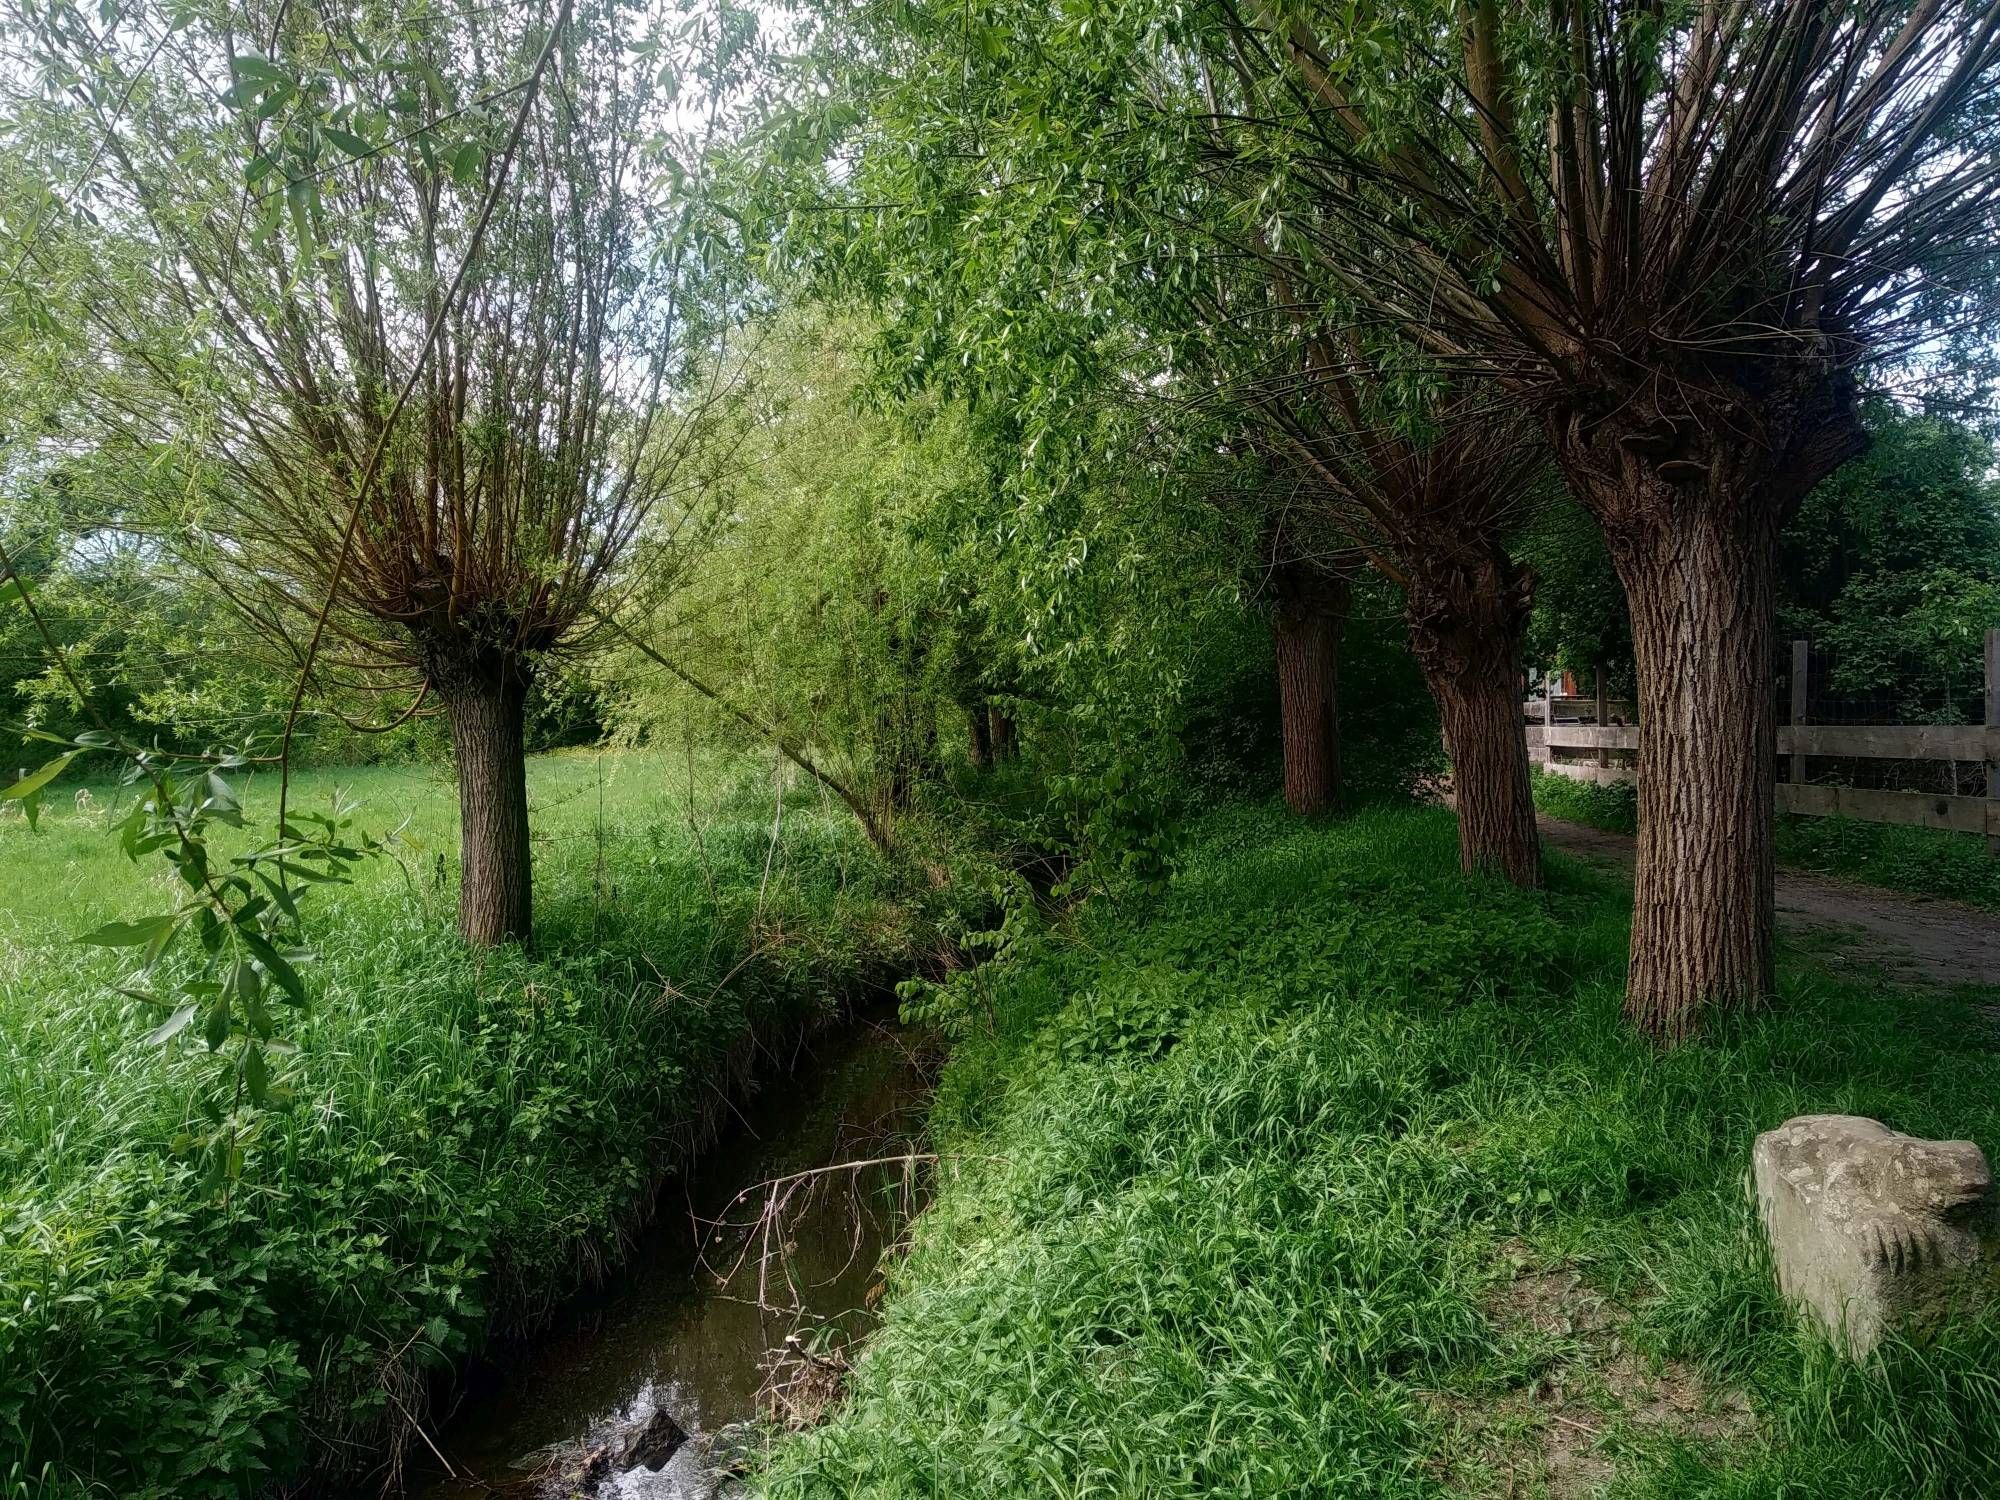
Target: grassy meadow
[467,1135]
[1330,1172]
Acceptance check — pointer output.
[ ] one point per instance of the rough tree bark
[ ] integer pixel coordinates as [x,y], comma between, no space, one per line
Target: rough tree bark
[979,738]
[1692,501]
[1305,630]
[1467,610]
[495,886]
[1002,731]
[1703,622]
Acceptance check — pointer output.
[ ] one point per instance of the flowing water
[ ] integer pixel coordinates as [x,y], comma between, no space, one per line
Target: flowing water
[731,1270]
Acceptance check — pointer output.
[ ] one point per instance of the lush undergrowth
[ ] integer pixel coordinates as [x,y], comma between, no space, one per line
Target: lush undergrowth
[1329,1172]
[468,1135]
[1921,861]
[1613,807]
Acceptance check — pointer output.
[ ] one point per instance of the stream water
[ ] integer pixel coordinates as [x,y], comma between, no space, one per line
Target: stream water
[731,1269]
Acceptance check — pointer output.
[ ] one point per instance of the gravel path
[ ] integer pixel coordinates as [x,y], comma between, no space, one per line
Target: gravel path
[1915,940]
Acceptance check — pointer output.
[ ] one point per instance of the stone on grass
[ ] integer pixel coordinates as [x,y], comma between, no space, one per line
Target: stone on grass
[1872,1230]
[654,1445]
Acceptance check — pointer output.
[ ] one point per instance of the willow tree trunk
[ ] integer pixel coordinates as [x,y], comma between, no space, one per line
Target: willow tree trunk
[979,738]
[1005,739]
[1701,591]
[495,886]
[1467,612]
[1692,497]
[1305,630]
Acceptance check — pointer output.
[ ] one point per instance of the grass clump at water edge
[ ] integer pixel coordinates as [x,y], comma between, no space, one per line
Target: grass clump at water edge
[469,1134]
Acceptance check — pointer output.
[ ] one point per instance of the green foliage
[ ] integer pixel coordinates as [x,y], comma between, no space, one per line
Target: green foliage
[832,601]
[1889,565]
[1233,1190]
[1923,861]
[1893,565]
[1579,621]
[159,650]
[891,565]
[463,1136]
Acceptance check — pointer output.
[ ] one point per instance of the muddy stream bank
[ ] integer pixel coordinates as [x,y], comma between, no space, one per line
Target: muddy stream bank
[652,1385]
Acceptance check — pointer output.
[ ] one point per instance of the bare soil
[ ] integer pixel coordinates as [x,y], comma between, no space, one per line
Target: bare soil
[1557,1434]
[1911,940]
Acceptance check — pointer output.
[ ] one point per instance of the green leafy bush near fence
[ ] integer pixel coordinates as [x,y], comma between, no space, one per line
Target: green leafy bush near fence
[468,1134]
[1304,1178]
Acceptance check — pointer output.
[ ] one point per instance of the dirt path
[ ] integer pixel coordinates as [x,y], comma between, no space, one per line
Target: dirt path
[1916,941]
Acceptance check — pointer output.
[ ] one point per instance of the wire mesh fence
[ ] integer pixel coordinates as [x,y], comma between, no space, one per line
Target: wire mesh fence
[1840,686]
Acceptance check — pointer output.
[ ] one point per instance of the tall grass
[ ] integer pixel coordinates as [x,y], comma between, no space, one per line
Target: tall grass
[1237,1188]
[468,1133]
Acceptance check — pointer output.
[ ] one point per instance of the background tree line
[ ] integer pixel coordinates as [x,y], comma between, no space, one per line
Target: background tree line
[929,389]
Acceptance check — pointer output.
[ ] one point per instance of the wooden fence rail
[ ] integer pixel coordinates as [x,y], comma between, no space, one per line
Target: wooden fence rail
[1798,740]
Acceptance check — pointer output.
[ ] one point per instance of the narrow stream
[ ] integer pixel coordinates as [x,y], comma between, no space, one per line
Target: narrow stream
[689,1326]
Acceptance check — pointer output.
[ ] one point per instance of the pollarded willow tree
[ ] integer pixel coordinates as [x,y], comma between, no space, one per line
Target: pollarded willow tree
[1681,233]
[416,288]
[1433,510]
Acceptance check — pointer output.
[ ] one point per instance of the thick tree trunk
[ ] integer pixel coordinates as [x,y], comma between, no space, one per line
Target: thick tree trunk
[1692,500]
[495,887]
[1001,729]
[1467,611]
[979,741]
[1701,591]
[1305,629]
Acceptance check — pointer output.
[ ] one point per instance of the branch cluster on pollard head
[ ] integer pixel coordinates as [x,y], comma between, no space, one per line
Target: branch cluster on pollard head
[342,201]
[1662,221]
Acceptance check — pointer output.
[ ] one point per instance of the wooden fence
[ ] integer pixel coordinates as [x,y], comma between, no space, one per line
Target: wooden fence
[1799,740]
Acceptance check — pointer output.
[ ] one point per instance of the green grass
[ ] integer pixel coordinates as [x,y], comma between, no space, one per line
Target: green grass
[470,1133]
[1920,861]
[1303,1178]
[1613,808]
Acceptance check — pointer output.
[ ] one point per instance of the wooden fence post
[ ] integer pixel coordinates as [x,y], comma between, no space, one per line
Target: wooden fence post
[1801,666]
[1992,723]
[1603,756]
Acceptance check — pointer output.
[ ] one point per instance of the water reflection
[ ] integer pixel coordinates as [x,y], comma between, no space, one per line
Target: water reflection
[671,1333]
